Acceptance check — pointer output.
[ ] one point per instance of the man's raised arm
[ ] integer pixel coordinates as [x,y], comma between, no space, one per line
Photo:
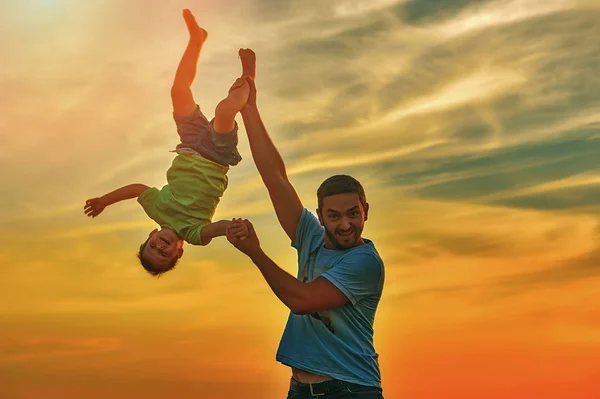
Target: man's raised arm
[286,202]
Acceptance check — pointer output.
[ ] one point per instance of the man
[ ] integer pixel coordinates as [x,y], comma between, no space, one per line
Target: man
[328,338]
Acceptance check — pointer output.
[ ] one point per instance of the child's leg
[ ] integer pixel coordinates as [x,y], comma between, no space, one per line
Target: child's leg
[226,110]
[248,59]
[181,93]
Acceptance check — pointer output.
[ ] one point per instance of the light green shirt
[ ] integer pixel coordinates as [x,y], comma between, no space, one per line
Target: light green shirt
[189,200]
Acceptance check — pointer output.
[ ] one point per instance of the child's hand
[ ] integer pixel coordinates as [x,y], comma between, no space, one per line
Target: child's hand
[94,206]
[237,229]
[250,245]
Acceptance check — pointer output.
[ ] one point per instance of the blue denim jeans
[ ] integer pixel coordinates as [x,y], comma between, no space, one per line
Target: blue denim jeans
[198,134]
[337,390]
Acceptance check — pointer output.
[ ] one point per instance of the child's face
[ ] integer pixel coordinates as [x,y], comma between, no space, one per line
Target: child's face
[163,246]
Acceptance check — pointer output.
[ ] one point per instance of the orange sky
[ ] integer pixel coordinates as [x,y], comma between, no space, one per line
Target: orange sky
[472,125]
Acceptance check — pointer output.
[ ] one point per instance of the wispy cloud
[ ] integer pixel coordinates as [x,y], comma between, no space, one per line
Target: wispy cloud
[329,162]
[479,87]
[580,180]
[472,125]
[496,14]
[353,8]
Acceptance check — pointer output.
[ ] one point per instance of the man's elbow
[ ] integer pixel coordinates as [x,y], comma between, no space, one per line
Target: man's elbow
[300,308]
[299,311]
[273,177]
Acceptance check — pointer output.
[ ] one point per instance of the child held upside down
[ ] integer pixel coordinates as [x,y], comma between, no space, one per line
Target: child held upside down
[197,177]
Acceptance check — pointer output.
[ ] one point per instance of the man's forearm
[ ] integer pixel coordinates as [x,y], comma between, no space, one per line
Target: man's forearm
[288,289]
[123,193]
[266,157]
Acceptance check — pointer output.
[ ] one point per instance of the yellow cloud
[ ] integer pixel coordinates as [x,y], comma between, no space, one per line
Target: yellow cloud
[352,8]
[479,87]
[497,14]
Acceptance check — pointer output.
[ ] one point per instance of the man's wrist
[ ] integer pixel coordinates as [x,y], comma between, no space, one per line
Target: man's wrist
[256,255]
[248,108]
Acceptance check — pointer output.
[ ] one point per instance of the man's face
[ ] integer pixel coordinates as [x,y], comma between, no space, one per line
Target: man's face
[343,216]
[163,246]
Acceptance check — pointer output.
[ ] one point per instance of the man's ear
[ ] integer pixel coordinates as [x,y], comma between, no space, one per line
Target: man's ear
[320,216]
[179,252]
[152,232]
[366,208]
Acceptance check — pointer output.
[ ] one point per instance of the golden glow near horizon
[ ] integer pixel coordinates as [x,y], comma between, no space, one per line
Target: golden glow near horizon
[472,125]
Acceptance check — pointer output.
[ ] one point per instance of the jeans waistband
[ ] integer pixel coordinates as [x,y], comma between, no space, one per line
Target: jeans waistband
[316,388]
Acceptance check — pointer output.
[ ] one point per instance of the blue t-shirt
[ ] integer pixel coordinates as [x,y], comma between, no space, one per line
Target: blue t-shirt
[338,342]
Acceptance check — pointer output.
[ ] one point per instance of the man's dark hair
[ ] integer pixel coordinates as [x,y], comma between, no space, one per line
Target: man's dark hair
[340,184]
[149,267]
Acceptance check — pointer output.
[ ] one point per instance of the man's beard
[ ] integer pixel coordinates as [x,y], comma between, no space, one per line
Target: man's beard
[337,244]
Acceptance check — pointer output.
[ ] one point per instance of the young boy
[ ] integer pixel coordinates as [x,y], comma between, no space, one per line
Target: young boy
[198,176]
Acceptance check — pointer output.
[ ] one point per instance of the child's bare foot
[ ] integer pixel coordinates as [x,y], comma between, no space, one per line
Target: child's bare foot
[248,63]
[232,104]
[236,99]
[197,34]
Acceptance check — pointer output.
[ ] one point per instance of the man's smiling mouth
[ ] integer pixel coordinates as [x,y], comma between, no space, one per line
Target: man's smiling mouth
[347,234]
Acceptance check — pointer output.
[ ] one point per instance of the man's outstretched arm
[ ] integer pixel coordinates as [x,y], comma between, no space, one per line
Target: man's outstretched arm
[286,202]
[301,298]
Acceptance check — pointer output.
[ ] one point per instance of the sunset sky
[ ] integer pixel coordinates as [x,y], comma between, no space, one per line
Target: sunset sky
[473,126]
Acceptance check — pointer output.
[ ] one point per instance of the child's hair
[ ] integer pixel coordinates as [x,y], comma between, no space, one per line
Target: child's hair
[149,267]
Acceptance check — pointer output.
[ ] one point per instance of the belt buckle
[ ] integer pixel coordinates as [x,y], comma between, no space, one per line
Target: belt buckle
[312,392]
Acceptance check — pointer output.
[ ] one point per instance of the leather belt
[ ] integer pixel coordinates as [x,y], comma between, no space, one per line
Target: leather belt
[316,388]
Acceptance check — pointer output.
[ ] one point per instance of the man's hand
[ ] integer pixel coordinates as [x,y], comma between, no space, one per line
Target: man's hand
[252,96]
[249,245]
[248,58]
[94,206]
[238,229]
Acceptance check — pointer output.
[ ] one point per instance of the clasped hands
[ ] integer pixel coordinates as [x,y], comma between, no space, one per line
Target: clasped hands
[241,234]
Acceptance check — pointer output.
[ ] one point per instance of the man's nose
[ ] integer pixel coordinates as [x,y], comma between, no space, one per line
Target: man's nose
[345,224]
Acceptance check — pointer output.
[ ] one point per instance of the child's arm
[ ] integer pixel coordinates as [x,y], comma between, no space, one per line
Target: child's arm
[218,229]
[94,206]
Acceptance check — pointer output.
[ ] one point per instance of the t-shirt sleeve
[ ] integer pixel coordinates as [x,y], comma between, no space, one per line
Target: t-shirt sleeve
[308,228]
[309,236]
[192,235]
[147,200]
[357,276]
